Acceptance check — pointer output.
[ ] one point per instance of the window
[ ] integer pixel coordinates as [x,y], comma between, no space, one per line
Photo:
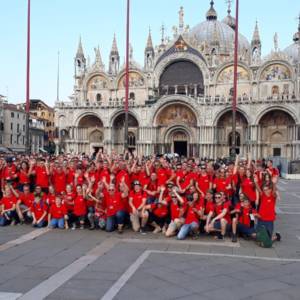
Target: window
[11,126]
[11,139]
[18,116]
[276,152]
[23,127]
[18,127]
[132,96]
[99,98]
[12,114]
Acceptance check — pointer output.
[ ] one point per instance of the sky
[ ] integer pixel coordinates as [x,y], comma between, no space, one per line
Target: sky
[57,24]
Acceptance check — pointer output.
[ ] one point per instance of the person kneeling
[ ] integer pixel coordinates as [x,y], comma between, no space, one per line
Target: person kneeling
[39,211]
[58,215]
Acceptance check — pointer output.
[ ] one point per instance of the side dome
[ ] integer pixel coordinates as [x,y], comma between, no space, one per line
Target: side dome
[292,52]
[208,30]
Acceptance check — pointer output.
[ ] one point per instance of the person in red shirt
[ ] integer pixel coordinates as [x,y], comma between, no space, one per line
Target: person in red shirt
[243,222]
[51,196]
[266,211]
[151,189]
[219,220]
[23,175]
[39,211]
[57,217]
[9,172]
[177,211]
[204,181]
[248,188]
[80,207]
[24,203]
[158,211]
[115,207]
[42,173]
[137,202]
[59,179]
[193,214]
[8,214]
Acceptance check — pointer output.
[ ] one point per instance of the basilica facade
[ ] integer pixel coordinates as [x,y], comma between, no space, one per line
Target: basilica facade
[180,99]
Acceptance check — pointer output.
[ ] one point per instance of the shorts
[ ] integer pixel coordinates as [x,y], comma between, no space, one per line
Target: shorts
[217,226]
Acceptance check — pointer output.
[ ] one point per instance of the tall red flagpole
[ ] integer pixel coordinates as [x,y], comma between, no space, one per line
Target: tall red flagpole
[127,77]
[28,80]
[235,80]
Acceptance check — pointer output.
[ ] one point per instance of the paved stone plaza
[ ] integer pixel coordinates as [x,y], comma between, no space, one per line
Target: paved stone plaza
[83,264]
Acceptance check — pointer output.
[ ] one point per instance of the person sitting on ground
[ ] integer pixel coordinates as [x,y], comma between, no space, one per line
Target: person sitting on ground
[58,215]
[8,214]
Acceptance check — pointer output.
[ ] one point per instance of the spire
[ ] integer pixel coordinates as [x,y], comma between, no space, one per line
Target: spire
[149,45]
[80,49]
[181,20]
[211,14]
[229,19]
[256,36]
[296,37]
[98,60]
[114,47]
[57,83]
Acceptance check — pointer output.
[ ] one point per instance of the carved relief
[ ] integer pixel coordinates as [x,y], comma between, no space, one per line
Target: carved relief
[135,81]
[276,72]
[226,76]
[176,114]
[97,83]
[276,118]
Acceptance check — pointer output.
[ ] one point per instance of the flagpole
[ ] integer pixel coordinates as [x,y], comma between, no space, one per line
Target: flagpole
[235,79]
[27,109]
[127,78]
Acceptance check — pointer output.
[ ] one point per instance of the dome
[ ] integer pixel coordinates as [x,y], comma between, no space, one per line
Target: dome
[207,32]
[292,52]
[230,21]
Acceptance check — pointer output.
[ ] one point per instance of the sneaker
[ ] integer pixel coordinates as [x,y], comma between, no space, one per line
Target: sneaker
[81,227]
[234,238]
[120,230]
[73,227]
[142,231]
[278,236]
[13,223]
[92,227]
[157,230]
[220,236]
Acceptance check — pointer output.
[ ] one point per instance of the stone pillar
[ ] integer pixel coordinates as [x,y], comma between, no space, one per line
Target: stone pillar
[186,90]
[176,89]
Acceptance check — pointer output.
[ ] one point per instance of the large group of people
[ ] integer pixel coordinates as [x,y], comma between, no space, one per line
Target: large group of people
[173,196]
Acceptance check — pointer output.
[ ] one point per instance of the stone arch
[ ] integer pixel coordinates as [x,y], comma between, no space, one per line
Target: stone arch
[188,56]
[178,128]
[183,77]
[171,100]
[121,112]
[227,110]
[278,108]
[89,121]
[87,114]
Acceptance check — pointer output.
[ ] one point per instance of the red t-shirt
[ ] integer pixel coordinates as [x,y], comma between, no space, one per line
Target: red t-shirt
[23,177]
[39,209]
[9,173]
[113,203]
[69,201]
[204,182]
[267,207]
[209,207]
[50,199]
[221,184]
[192,216]
[27,199]
[8,202]
[57,212]
[137,198]
[244,214]
[42,178]
[163,175]
[80,207]
[176,210]
[59,181]
[248,188]
[220,208]
[160,210]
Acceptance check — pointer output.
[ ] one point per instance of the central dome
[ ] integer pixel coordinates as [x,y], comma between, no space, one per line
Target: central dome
[212,31]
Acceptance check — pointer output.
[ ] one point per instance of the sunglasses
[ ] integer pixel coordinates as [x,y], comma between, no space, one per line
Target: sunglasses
[111,190]
[218,197]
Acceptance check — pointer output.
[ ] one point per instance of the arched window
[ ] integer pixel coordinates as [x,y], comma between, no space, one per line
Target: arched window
[98,98]
[237,139]
[132,96]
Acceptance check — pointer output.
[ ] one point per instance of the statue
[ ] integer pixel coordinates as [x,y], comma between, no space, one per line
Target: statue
[276,42]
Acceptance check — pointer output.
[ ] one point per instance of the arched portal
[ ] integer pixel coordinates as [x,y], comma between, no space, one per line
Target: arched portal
[277,131]
[90,134]
[118,126]
[176,126]
[224,134]
[181,77]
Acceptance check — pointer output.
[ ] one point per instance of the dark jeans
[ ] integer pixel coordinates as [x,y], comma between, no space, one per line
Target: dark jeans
[269,225]
[160,221]
[117,219]
[7,217]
